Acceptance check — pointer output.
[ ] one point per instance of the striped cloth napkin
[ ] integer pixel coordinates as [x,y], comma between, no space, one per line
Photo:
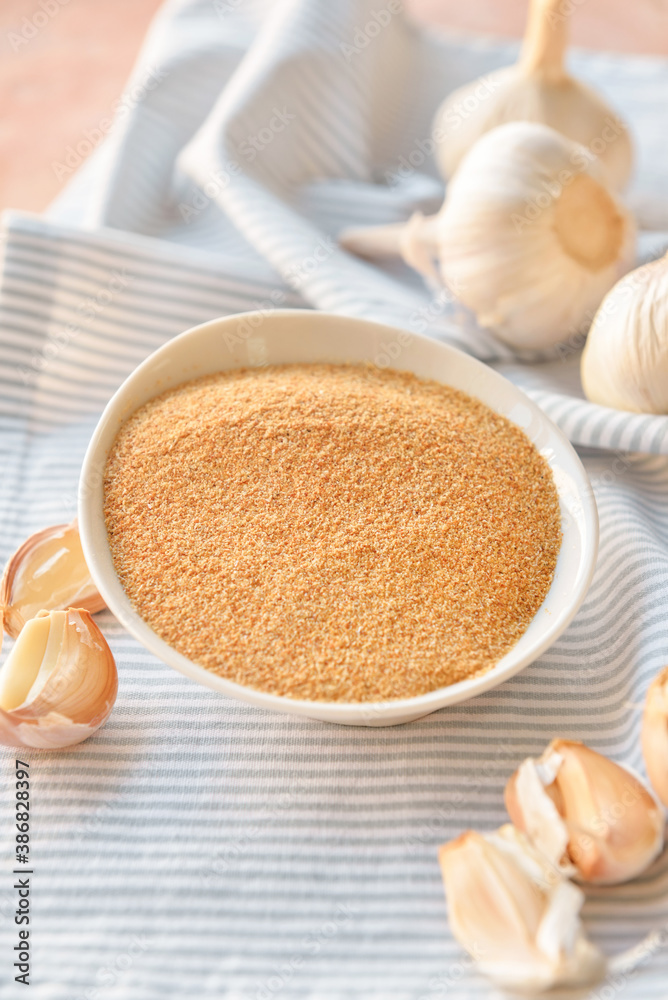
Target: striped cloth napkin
[197,847]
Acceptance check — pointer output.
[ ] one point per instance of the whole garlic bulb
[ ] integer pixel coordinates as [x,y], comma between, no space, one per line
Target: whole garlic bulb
[59,682]
[47,571]
[529,237]
[655,735]
[625,360]
[590,817]
[519,919]
[536,89]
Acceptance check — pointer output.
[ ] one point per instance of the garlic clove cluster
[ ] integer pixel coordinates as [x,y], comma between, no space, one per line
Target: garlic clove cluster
[47,571]
[515,915]
[59,682]
[590,817]
[529,236]
[655,735]
[537,89]
[625,360]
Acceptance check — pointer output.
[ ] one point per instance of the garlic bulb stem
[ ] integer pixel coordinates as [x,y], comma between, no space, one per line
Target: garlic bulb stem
[545,40]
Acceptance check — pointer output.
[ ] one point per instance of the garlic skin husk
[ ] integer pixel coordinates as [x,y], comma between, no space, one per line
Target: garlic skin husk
[47,572]
[625,361]
[517,916]
[654,735]
[536,89]
[591,818]
[59,682]
[529,237]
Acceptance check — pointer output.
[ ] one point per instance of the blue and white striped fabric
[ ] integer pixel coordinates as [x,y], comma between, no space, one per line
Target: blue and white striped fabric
[196,847]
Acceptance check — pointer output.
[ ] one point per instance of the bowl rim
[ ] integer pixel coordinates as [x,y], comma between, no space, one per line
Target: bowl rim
[415,706]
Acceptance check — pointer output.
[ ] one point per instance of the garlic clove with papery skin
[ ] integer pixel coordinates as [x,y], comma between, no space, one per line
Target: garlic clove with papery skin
[590,817]
[654,735]
[515,915]
[59,682]
[47,571]
[536,89]
[625,361]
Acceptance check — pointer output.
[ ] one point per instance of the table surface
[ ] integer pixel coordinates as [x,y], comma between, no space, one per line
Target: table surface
[61,73]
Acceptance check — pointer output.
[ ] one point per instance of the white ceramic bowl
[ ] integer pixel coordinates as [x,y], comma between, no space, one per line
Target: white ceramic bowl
[286,336]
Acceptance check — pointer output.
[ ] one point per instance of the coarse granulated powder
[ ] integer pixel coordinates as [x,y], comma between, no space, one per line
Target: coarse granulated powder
[331,532]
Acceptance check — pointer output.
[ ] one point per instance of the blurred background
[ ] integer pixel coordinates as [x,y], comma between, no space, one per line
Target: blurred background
[64,63]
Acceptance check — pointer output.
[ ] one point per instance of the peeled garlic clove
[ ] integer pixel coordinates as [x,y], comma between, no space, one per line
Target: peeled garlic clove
[47,571]
[587,815]
[537,89]
[59,682]
[655,735]
[625,360]
[515,916]
[529,237]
